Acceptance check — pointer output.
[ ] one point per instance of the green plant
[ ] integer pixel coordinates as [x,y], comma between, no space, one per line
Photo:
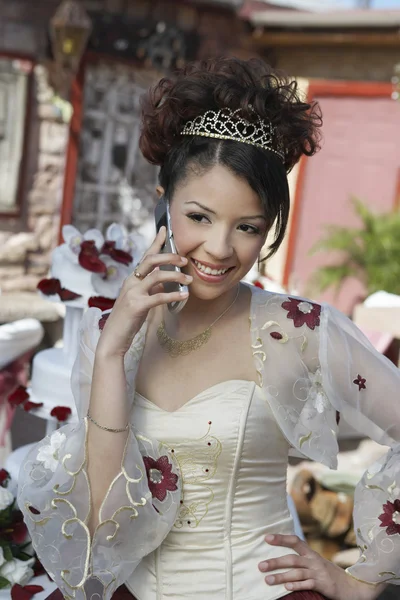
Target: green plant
[370,253]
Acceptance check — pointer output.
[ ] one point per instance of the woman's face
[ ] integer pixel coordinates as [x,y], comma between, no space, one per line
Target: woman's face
[219,225]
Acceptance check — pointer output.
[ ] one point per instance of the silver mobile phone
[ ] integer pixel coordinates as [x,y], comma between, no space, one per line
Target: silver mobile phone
[162,217]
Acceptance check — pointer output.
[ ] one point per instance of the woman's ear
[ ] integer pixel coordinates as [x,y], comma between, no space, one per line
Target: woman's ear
[160,191]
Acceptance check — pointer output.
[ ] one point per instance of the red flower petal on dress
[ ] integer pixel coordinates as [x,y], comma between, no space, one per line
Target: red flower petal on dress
[29,405]
[101,302]
[360,381]
[66,295]
[89,258]
[4,476]
[18,396]
[258,284]
[25,593]
[160,477]
[61,413]
[303,312]
[34,510]
[49,287]
[103,321]
[276,335]
[390,518]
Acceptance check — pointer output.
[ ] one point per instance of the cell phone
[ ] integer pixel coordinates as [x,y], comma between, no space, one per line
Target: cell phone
[162,217]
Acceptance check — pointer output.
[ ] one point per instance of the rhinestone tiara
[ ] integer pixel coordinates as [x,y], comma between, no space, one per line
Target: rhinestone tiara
[226,124]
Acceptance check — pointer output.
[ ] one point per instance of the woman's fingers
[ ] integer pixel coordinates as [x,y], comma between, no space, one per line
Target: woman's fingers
[151,261]
[158,276]
[289,577]
[289,561]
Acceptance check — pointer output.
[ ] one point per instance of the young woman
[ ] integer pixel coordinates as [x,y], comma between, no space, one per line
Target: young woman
[174,481]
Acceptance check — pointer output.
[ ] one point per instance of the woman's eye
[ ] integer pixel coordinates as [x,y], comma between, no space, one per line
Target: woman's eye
[249,229]
[198,218]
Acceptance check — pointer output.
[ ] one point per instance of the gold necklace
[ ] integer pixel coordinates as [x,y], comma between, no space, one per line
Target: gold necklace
[177,348]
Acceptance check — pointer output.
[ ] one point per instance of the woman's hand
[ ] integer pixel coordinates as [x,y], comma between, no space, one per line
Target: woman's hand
[138,296]
[309,571]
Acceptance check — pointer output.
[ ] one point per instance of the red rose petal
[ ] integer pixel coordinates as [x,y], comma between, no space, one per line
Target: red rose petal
[107,248]
[20,533]
[18,396]
[101,302]
[25,593]
[36,589]
[61,413]
[89,258]
[4,475]
[49,287]
[66,295]
[103,321]
[121,256]
[258,284]
[29,405]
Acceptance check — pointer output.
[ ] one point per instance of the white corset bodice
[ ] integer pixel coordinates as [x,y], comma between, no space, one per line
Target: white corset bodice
[232,458]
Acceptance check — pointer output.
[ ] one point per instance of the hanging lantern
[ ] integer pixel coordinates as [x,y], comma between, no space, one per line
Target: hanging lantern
[70,30]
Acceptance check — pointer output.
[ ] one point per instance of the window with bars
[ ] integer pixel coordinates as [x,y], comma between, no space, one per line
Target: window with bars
[14,97]
[114,182]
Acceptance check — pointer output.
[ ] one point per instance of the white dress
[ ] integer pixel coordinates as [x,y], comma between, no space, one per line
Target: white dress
[200,487]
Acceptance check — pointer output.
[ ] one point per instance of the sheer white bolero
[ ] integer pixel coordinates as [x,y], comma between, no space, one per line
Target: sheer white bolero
[314,365]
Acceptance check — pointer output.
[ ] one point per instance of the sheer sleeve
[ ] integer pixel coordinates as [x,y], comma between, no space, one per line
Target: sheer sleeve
[364,387]
[54,493]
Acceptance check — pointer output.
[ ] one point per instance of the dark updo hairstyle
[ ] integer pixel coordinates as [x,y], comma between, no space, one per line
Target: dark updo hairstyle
[230,83]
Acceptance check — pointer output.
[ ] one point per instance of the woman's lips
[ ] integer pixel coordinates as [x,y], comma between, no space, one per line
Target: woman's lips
[211,278]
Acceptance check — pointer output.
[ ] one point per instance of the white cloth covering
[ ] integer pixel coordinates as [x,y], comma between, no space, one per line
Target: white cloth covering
[313,363]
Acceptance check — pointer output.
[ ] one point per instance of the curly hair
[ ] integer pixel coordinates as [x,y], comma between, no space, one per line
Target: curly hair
[259,91]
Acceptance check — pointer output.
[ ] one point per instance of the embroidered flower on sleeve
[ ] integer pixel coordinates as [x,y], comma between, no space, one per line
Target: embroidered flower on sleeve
[301,311]
[49,454]
[360,381]
[390,518]
[160,477]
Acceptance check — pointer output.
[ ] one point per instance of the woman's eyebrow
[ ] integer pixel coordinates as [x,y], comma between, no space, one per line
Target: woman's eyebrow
[214,213]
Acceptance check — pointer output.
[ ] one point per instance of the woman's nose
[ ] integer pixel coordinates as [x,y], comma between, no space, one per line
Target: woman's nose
[219,245]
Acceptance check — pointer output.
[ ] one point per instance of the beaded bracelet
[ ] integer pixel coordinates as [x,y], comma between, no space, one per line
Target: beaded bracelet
[106,428]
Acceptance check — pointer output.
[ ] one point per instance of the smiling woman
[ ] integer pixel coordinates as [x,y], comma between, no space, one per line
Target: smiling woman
[174,481]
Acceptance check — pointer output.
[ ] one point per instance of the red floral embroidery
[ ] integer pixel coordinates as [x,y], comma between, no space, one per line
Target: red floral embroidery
[103,321]
[4,477]
[89,258]
[276,335]
[29,405]
[390,518]
[49,287]
[61,413]
[160,476]
[360,381]
[101,302]
[302,311]
[18,396]
[25,593]
[34,510]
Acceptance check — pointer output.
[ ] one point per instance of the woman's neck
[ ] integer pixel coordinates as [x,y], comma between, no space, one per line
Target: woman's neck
[198,314]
